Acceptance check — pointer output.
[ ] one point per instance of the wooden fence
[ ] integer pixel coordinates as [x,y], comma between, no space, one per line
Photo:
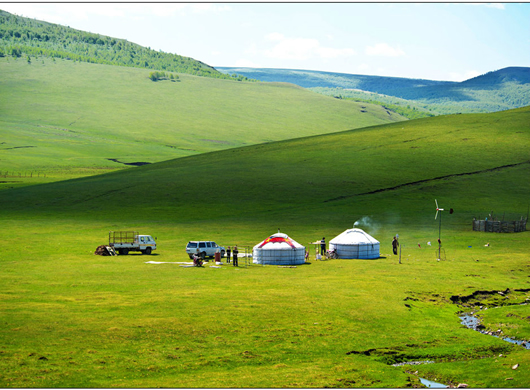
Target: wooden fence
[499,226]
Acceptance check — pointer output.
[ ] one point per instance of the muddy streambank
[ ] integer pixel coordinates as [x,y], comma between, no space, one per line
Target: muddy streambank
[480,301]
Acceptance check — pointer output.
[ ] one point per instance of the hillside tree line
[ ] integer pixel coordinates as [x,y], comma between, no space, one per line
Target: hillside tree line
[21,36]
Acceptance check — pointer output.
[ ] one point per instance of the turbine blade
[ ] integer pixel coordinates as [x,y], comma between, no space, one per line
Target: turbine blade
[436,216]
[435,201]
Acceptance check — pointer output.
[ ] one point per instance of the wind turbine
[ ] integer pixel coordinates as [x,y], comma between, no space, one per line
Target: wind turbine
[440,226]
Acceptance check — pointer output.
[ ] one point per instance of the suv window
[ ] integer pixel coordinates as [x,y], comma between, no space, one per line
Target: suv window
[192,245]
[202,245]
[209,244]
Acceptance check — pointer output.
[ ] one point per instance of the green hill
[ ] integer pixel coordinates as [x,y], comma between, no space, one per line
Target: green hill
[317,172]
[495,91]
[64,118]
[513,74]
[72,319]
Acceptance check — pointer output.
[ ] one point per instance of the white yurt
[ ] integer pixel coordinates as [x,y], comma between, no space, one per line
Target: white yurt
[355,244]
[278,249]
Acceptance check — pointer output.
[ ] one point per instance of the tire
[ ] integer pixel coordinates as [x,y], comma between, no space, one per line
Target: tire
[203,255]
[147,251]
[124,251]
[222,254]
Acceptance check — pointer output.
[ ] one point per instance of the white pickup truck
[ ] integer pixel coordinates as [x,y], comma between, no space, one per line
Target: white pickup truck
[125,242]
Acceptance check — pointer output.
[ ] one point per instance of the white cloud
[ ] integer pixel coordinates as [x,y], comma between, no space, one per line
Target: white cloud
[302,49]
[384,50]
[242,63]
[495,5]
[207,7]
[328,52]
[274,37]
[252,49]
[454,76]
[363,67]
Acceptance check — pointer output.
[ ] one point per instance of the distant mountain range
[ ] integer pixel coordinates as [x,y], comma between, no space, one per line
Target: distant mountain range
[494,91]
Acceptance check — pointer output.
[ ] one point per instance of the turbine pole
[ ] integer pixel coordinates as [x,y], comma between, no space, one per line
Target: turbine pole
[440,238]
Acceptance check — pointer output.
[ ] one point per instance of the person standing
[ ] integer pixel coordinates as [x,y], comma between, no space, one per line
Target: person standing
[235,252]
[395,245]
[323,246]
[228,255]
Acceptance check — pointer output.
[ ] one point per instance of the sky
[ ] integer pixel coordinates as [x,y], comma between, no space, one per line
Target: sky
[436,41]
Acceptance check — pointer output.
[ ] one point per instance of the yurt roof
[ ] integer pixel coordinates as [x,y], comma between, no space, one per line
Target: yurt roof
[354,237]
[278,241]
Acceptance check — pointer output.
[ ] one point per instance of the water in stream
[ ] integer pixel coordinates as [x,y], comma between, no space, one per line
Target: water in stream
[473,323]
[432,384]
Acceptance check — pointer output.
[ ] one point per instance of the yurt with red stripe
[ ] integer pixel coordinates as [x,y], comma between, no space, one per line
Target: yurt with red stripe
[278,249]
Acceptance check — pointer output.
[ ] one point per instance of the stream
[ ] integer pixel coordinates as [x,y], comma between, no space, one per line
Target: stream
[471,322]
[432,384]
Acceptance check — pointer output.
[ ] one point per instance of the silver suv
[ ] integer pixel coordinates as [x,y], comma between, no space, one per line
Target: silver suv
[206,249]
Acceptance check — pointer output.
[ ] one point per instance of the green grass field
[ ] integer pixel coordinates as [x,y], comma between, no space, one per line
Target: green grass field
[72,319]
[66,119]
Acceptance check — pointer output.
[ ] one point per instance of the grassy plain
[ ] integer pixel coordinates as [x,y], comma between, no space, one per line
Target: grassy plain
[67,119]
[72,319]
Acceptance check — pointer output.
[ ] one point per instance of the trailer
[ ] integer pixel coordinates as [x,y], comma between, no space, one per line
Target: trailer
[124,242]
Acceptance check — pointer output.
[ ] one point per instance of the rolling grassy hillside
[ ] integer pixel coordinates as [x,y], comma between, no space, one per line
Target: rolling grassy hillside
[65,119]
[310,173]
[494,91]
[72,319]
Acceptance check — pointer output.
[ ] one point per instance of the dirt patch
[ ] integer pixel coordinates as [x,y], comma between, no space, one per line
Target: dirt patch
[102,251]
[19,147]
[491,298]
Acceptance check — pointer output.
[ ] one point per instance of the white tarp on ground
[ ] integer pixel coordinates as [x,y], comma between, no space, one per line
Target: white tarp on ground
[167,262]
[278,249]
[355,244]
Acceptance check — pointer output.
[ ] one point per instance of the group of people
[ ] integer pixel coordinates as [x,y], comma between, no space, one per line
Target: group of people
[234,253]
[197,259]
